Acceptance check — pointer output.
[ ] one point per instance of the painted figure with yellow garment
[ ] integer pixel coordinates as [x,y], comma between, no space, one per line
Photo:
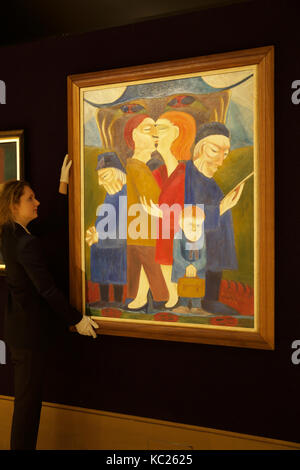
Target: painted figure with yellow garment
[143,272]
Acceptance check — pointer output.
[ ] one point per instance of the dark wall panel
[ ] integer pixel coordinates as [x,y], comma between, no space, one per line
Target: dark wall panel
[241,390]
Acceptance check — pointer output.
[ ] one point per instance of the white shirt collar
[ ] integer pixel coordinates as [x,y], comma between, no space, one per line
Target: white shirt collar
[26,229]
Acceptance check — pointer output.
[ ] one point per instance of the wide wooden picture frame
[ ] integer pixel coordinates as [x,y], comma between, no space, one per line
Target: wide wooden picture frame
[11,162]
[196,133]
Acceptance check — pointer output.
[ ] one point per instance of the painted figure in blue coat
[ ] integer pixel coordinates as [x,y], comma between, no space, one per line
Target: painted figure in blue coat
[189,250]
[107,238]
[211,149]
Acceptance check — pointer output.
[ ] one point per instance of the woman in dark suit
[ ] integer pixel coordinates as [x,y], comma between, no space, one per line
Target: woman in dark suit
[36,309]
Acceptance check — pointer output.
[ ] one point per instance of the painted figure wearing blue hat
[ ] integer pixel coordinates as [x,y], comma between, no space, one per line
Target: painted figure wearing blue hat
[108,237]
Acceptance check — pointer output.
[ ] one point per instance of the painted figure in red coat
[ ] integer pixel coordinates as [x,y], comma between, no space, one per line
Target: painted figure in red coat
[176,132]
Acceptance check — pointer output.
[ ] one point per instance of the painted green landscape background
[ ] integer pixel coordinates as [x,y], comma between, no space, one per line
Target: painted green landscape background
[237,166]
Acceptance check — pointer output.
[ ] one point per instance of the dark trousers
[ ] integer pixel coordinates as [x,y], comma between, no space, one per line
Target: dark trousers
[118,292]
[28,384]
[212,284]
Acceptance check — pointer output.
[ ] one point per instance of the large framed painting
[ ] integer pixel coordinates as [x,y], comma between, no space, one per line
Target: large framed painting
[171,199]
[11,162]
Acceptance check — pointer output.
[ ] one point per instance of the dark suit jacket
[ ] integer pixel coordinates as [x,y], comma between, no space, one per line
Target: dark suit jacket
[36,308]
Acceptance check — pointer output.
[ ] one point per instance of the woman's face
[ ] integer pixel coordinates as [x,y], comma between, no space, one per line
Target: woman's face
[26,210]
[144,135]
[167,132]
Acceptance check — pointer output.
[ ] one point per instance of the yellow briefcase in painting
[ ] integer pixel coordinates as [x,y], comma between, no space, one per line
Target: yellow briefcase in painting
[191,287]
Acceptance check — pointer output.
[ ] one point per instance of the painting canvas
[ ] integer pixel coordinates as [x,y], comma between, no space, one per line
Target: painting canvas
[169,200]
[11,151]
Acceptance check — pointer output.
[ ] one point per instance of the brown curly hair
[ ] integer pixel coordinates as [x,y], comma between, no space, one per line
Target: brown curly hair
[10,193]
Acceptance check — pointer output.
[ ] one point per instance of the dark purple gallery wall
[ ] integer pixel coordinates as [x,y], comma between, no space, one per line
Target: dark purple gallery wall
[236,389]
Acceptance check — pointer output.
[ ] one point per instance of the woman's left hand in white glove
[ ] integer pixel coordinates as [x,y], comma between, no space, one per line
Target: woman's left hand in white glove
[87,327]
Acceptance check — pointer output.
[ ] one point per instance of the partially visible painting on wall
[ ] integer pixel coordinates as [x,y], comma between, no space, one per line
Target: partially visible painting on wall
[11,161]
[171,228]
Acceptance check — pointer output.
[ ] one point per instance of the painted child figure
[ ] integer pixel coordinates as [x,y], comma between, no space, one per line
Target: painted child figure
[189,253]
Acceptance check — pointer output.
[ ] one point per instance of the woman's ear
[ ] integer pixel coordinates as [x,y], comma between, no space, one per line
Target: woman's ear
[176,130]
[199,148]
[134,133]
[14,209]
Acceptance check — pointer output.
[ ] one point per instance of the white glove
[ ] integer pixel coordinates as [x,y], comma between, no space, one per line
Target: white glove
[86,327]
[65,170]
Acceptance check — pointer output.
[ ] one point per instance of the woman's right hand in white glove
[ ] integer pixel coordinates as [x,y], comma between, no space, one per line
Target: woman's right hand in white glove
[64,175]
[86,327]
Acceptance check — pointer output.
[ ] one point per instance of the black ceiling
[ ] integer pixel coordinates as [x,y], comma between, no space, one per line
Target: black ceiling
[28,20]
